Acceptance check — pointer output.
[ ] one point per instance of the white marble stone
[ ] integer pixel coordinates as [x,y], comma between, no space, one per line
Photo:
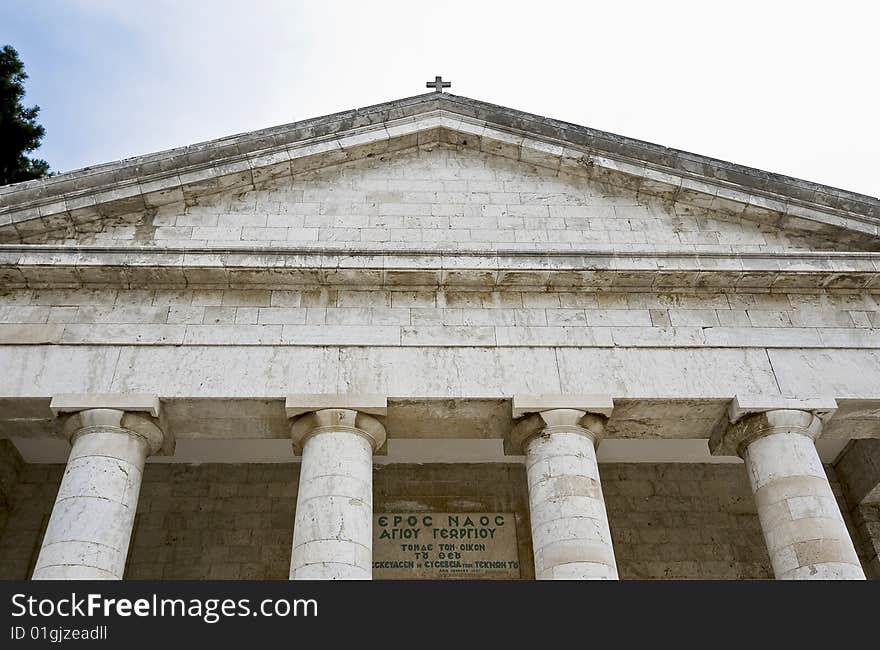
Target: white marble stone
[90,527]
[806,535]
[248,371]
[570,534]
[333,526]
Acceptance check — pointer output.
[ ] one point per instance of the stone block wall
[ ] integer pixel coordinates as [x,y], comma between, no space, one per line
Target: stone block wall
[31,505]
[438,197]
[866,521]
[689,521]
[685,521]
[214,521]
[317,316]
[10,466]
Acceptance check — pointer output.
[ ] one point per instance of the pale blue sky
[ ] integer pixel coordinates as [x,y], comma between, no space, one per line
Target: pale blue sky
[790,87]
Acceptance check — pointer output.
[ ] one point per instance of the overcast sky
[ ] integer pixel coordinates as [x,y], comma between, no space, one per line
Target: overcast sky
[789,87]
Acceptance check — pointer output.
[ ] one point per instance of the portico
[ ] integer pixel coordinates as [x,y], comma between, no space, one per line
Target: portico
[438,338]
[567,518]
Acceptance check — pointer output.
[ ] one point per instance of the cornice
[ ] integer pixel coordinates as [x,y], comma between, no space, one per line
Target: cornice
[247,161]
[47,266]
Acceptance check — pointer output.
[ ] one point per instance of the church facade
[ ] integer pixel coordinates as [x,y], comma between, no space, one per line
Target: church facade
[437,338]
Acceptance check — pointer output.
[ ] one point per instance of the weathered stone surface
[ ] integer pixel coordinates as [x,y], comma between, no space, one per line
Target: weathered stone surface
[805,533]
[130,402]
[88,534]
[10,470]
[597,404]
[452,258]
[445,545]
[296,405]
[451,197]
[333,534]
[570,532]
[690,181]
[675,520]
[859,471]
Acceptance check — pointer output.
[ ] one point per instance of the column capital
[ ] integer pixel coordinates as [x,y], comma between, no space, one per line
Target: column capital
[131,402]
[749,418]
[135,413]
[367,403]
[596,404]
[336,419]
[314,412]
[538,414]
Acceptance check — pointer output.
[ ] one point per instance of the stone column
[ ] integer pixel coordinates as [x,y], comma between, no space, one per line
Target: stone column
[570,534]
[333,525]
[88,533]
[805,533]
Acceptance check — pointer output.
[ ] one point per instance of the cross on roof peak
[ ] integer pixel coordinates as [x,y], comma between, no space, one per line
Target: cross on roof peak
[438,84]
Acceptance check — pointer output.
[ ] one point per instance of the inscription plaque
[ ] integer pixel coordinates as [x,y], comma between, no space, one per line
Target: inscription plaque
[443,545]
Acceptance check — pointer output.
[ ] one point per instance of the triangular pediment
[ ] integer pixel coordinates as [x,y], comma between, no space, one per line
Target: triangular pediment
[614,172]
[439,196]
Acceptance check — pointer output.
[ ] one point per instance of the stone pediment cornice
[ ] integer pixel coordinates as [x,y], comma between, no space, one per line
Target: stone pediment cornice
[56,266]
[249,160]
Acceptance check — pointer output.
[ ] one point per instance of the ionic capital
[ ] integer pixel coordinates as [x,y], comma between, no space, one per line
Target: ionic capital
[751,418]
[130,414]
[315,414]
[546,414]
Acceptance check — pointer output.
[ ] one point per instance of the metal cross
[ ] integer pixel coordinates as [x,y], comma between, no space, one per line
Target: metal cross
[438,84]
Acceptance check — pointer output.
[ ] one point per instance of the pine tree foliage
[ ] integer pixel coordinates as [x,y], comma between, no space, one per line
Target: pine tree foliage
[19,131]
